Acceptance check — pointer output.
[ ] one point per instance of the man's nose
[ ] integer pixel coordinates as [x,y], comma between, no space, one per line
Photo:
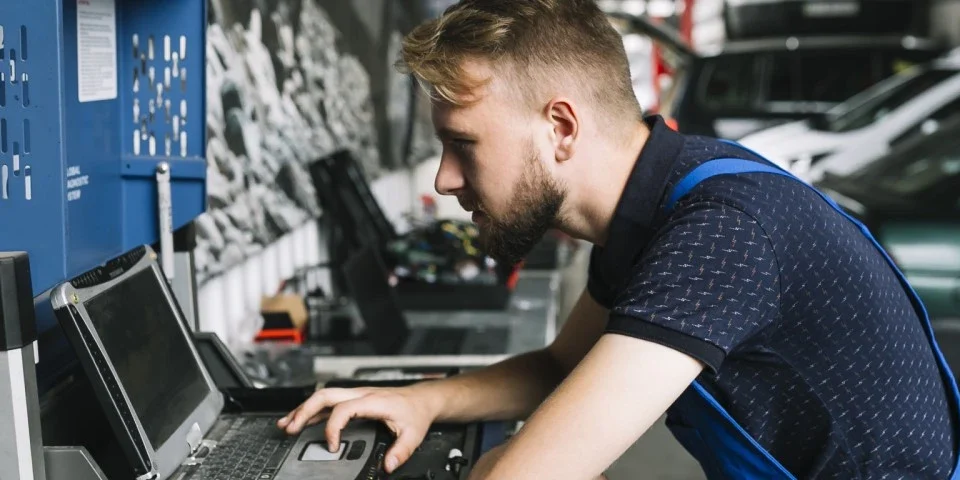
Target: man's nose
[449,177]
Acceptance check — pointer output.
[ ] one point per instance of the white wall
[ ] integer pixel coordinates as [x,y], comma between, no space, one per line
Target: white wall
[423,177]
[229,304]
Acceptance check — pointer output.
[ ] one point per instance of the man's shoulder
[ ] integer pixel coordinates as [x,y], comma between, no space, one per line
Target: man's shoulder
[720,207]
[750,194]
[699,149]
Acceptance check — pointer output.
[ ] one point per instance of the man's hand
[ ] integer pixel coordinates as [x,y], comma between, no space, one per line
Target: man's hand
[404,412]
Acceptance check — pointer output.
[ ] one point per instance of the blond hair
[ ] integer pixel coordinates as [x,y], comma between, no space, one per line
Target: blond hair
[536,43]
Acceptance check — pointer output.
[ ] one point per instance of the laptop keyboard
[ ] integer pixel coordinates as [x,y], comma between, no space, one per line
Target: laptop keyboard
[443,341]
[456,341]
[489,341]
[252,449]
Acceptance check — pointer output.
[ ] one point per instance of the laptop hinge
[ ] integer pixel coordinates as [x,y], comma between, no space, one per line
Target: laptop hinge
[151,475]
[194,436]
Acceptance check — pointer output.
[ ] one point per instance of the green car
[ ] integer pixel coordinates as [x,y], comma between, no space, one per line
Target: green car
[910,200]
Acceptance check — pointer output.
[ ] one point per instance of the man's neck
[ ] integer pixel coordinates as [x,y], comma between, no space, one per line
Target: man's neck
[589,215]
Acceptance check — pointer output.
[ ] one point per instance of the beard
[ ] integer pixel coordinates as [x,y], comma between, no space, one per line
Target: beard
[510,237]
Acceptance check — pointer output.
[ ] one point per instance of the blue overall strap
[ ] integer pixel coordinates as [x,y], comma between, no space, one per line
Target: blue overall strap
[704,427]
[701,424]
[722,166]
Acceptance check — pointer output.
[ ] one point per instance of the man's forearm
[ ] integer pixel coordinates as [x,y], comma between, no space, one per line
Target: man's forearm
[511,389]
[514,388]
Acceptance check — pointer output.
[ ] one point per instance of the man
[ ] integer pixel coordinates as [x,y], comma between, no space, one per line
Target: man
[809,357]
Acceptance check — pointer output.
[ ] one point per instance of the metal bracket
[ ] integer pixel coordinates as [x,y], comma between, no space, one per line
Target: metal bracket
[165,211]
[71,463]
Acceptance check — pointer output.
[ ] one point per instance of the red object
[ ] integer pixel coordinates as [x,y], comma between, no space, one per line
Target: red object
[660,67]
[429,205]
[273,334]
[514,277]
[686,22]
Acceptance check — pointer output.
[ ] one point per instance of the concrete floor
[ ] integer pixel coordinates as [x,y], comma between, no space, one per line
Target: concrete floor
[656,455]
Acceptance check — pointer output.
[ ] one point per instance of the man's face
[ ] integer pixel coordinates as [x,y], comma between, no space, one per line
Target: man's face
[492,163]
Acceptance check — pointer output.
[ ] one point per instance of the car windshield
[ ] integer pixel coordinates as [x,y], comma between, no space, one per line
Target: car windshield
[918,172]
[874,103]
[730,83]
[805,82]
[825,76]
[924,173]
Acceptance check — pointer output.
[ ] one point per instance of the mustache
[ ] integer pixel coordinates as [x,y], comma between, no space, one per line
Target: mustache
[469,204]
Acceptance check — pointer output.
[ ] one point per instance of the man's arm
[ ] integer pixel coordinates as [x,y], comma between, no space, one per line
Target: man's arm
[508,390]
[609,400]
[514,388]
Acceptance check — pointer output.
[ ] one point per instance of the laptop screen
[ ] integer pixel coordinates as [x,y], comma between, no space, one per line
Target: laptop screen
[140,332]
[366,278]
[359,199]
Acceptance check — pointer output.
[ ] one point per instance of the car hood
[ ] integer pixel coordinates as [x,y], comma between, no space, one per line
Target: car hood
[787,143]
[736,128]
[862,199]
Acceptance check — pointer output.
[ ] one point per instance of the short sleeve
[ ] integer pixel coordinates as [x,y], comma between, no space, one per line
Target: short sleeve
[708,282]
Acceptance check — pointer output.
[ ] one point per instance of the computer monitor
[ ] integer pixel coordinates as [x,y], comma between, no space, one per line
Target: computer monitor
[366,277]
[57,360]
[137,350]
[359,199]
[352,219]
[337,227]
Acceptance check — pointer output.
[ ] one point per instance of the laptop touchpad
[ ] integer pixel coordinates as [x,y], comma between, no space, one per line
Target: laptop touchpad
[317,452]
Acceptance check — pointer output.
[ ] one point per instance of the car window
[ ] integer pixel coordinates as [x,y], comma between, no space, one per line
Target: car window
[810,79]
[729,82]
[862,111]
[836,76]
[783,81]
[931,124]
[923,175]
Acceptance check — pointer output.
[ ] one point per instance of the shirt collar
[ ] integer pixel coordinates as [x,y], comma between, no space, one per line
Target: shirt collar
[636,212]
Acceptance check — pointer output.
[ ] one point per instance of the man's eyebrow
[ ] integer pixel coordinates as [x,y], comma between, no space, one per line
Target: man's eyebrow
[446,133]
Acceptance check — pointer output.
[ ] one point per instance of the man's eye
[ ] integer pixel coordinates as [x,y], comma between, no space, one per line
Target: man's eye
[462,146]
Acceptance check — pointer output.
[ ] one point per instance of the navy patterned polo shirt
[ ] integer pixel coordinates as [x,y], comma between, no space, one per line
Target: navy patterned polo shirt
[808,339]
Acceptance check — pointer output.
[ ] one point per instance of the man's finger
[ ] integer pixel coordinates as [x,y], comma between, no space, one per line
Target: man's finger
[402,449]
[283,422]
[318,418]
[326,398]
[364,407]
[337,421]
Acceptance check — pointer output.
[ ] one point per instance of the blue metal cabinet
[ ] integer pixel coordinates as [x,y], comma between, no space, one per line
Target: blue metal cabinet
[93,95]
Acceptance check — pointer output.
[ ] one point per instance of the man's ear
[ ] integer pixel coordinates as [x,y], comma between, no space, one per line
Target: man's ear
[565,120]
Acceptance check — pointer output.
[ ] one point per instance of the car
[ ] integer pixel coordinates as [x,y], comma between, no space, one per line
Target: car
[750,85]
[763,18]
[910,200]
[744,86]
[909,104]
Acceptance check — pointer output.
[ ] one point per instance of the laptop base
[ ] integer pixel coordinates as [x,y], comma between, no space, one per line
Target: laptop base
[71,463]
[449,296]
[457,341]
[428,341]
[363,446]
